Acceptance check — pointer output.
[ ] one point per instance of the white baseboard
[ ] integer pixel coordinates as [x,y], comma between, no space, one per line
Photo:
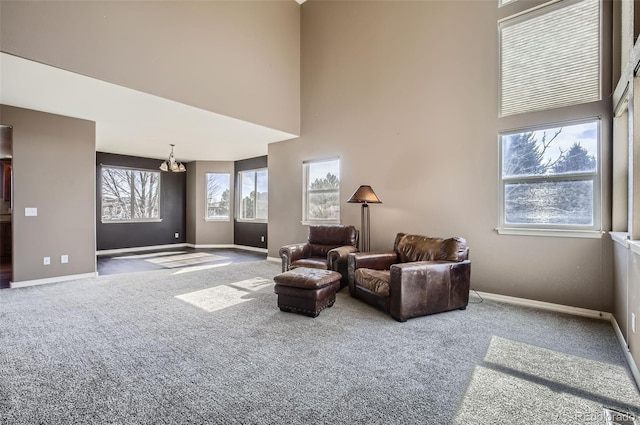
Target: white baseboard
[227,246]
[274,259]
[547,306]
[212,246]
[627,354]
[140,248]
[35,282]
[251,248]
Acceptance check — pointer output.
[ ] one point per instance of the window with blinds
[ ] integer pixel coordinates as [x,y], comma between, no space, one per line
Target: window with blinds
[550,57]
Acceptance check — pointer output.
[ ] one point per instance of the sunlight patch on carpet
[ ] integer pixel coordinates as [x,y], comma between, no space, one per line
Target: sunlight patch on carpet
[216,298]
[223,296]
[199,268]
[522,383]
[183,260]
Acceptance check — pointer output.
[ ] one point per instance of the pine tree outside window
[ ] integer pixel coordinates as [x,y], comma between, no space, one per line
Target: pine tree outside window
[254,195]
[321,191]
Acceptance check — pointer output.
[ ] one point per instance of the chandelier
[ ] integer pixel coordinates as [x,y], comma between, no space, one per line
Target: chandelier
[172,165]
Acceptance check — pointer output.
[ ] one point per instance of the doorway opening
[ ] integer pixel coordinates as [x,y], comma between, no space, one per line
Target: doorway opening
[6,206]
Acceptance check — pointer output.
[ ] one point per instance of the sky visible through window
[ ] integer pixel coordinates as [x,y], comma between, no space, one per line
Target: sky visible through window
[585,134]
[319,170]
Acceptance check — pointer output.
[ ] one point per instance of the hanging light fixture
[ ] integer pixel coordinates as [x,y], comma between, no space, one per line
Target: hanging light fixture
[172,165]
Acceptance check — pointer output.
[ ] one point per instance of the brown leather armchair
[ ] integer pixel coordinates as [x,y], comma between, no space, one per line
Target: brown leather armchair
[420,276]
[327,248]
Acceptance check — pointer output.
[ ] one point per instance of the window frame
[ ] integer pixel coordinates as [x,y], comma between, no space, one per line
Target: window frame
[130,220]
[206,204]
[585,231]
[240,210]
[306,165]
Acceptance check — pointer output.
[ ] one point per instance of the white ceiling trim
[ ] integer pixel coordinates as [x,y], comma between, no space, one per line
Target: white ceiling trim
[131,122]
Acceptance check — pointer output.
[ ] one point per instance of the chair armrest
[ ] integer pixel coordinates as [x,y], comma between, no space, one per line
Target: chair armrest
[293,252]
[381,260]
[426,287]
[338,256]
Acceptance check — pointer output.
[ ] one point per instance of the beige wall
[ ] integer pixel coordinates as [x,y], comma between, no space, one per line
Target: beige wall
[53,171]
[622,256]
[199,230]
[627,292]
[633,339]
[405,93]
[247,52]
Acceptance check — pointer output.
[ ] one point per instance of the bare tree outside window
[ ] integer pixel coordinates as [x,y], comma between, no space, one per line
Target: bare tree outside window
[218,196]
[130,195]
[322,190]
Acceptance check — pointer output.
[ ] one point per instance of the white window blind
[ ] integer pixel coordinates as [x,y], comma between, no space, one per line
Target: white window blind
[550,57]
[503,2]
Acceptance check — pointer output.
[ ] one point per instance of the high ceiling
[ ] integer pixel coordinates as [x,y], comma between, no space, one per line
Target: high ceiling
[131,122]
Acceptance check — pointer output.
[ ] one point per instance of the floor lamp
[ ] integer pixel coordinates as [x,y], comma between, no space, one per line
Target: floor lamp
[365,196]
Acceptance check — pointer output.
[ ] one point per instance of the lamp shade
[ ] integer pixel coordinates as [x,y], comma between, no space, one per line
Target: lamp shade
[364,195]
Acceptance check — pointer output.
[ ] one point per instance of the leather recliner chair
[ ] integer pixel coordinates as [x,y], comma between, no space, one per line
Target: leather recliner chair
[327,248]
[420,276]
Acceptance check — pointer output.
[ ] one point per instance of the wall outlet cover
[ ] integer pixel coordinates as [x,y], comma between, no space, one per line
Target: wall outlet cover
[64,259]
[30,212]
[46,261]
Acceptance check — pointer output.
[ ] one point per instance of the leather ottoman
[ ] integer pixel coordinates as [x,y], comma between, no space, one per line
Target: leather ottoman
[306,291]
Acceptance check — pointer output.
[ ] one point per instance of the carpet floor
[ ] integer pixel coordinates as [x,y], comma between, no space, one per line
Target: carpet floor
[208,345]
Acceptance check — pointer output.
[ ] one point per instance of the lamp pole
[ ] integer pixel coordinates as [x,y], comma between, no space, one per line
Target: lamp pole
[366,229]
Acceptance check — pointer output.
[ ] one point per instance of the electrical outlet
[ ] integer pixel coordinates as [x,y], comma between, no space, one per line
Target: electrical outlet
[64,259]
[261,238]
[46,261]
[633,322]
[176,235]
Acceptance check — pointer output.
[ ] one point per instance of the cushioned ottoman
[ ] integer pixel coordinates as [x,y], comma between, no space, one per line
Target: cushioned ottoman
[306,291]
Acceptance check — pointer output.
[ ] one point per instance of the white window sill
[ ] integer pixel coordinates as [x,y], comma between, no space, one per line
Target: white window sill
[217,219]
[319,222]
[592,234]
[620,237]
[241,220]
[153,220]
[623,239]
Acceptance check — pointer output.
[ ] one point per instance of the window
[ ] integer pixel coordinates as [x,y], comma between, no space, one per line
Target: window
[254,195]
[321,195]
[550,57]
[130,195]
[218,196]
[550,177]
